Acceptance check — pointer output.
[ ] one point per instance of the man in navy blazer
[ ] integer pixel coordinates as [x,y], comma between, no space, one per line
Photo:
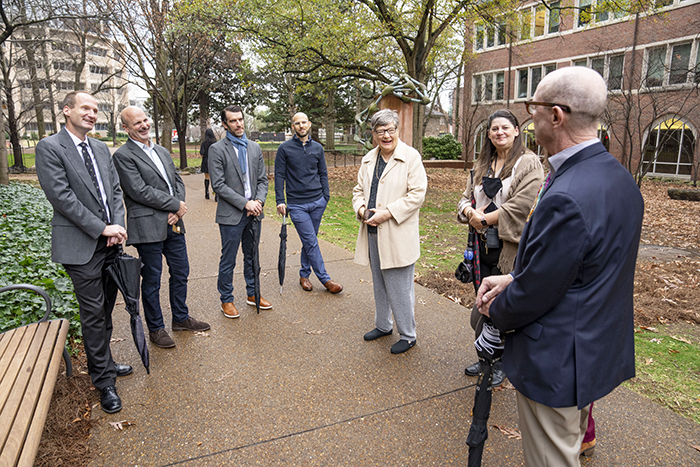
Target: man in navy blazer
[154,194]
[567,308]
[79,180]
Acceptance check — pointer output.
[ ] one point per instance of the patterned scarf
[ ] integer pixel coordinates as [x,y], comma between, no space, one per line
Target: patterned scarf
[241,145]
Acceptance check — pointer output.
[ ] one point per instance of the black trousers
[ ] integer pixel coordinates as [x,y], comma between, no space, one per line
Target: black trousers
[96,293]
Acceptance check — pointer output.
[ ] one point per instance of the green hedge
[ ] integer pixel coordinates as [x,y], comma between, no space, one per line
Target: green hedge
[442,147]
[25,242]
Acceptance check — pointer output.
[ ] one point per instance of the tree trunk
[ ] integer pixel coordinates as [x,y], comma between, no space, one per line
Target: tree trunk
[418,119]
[49,87]
[29,48]
[4,177]
[330,117]
[166,137]
[690,195]
[203,98]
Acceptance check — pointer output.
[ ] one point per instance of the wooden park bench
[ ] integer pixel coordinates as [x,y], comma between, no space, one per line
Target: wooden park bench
[29,359]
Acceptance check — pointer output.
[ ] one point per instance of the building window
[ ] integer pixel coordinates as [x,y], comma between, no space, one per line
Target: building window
[611,67]
[554,17]
[592,11]
[477,88]
[480,139]
[670,65]
[489,87]
[669,149]
[486,36]
[540,15]
[104,108]
[584,12]
[99,70]
[680,61]
[101,126]
[525,24]
[479,37]
[529,78]
[64,66]
[97,51]
[530,142]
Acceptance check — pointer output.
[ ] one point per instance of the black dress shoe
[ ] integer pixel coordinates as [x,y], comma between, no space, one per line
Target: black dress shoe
[498,377]
[376,334]
[123,370]
[402,346]
[472,370]
[109,400]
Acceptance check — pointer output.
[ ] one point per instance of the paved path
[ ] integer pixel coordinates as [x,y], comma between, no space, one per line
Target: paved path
[297,385]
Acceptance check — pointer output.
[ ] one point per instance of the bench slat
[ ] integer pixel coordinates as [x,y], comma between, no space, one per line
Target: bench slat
[31,344]
[56,345]
[27,387]
[19,344]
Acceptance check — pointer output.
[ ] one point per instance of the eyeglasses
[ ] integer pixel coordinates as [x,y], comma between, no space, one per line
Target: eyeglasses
[388,131]
[563,107]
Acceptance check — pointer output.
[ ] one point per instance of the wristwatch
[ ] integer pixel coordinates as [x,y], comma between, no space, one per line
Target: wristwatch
[483,221]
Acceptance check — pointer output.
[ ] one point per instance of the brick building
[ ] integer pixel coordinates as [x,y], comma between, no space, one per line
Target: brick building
[650,61]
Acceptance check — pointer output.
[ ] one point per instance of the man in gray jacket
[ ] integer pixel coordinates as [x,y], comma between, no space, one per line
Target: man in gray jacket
[80,182]
[155,201]
[238,177]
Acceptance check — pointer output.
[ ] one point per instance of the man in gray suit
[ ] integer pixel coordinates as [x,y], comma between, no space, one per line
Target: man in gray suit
[238,177]
[155,203]
[80,182]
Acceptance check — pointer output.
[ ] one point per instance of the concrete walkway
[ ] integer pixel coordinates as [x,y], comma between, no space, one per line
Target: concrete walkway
[298,386]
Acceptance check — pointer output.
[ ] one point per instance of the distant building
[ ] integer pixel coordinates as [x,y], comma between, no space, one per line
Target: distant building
[57,54]
[649,60]
[437,122]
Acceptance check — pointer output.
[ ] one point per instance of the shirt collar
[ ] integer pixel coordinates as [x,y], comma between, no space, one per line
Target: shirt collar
[296,137]
[77,141]
[145,147]
[557,160]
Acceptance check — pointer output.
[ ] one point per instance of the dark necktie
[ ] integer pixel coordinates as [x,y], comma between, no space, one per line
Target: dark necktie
[91,170]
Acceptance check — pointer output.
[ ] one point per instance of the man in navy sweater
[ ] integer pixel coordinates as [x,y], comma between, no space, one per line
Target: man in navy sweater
[301,164]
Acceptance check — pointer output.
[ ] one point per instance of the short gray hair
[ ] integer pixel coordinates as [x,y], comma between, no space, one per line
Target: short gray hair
[581,88]
[384,117]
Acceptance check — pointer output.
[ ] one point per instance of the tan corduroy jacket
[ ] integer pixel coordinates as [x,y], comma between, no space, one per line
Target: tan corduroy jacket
[527,178]
[401,190]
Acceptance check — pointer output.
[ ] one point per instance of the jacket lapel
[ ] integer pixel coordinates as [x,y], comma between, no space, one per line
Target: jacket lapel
[141,154]
[75,159]
[231,153]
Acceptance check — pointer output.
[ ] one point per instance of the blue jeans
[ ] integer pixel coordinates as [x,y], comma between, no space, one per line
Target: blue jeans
[231,237]
[174,249]
[307,220]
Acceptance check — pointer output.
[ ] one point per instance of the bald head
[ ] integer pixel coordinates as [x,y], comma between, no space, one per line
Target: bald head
[135,123]
[581,88]
[301,126]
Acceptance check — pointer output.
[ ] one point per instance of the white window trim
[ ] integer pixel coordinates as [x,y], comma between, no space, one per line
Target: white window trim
[529,68]
[648,131]
[606,66]
[494,87]
[692,63]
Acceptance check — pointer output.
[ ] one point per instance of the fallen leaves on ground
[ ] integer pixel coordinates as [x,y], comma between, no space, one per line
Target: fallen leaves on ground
[120,425]
[511,433]
[315,333]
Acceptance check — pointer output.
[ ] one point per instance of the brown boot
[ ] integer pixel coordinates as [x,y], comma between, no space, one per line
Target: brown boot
[588,449]
[229,310]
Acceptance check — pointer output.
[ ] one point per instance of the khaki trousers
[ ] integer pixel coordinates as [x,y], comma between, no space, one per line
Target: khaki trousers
[551,436]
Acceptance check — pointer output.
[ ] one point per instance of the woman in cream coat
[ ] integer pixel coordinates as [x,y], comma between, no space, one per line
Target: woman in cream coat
[391,186]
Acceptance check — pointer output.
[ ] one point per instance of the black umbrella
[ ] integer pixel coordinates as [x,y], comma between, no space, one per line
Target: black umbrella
[254,227]
[489,348]
[282,260]
[126,272]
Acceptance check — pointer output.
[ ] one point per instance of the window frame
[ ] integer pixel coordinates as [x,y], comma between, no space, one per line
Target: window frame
[482,79]
[545,69]
[692,73]
[607,59]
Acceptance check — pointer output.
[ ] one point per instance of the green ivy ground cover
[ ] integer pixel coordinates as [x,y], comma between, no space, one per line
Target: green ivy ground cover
[25,243]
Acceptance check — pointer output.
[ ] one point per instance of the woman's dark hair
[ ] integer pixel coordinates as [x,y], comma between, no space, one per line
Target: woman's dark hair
[488,152]
[209,136]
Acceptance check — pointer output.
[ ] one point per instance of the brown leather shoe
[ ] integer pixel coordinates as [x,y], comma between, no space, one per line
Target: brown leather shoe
[264,304]
[162,339]
[229,310]
[306,284]
[333,287]
[587,449]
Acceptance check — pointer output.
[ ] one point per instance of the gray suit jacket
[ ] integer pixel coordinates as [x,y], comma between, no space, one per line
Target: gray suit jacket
[146,194]
[227,180]
[77,219]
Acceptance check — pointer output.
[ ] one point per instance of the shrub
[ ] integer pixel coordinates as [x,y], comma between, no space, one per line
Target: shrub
[442,147]
[25,242]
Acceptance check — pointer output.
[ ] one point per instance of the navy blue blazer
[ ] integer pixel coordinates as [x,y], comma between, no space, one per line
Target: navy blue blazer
[568,314]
